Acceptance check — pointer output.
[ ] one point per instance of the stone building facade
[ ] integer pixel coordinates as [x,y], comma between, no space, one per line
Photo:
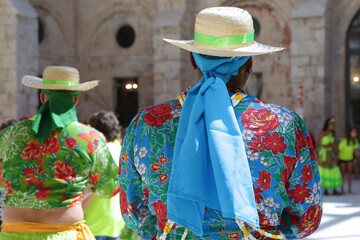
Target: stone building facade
[311,76]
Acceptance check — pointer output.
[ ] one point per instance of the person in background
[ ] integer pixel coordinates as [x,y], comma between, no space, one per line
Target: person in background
[328,158]
[347,151]
[24,117]
[103,216]
[7,124]
[216,163]
[47,161]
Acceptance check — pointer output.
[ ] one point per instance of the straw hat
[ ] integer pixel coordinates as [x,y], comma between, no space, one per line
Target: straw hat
[224,32]
[59,78]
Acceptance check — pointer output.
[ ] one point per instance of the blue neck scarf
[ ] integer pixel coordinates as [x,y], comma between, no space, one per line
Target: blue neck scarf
[210,168]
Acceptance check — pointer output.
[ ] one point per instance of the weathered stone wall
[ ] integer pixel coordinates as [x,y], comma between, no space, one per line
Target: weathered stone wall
[18,51]
[273,17]
[7,60]
[308,59]
[27,56]
[172,70]
[312,31]
[75,36]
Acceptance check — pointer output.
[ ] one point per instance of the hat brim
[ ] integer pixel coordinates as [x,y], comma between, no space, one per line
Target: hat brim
[36,82]
[254,49]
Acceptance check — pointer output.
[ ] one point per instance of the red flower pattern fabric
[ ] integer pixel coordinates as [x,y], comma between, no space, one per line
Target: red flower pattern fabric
[286,181]
[260,121]
[264,180]
[53,174]
[299,193]
[157,115]
[123,202]
[64,171]
[275,143]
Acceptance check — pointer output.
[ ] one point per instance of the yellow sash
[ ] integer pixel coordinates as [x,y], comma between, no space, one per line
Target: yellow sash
[82,230]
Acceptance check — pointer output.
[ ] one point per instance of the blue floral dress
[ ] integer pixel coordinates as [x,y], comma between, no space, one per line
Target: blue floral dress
[281,157]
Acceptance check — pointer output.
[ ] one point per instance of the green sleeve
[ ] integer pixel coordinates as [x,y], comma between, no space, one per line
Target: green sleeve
[103,176]
[342,144]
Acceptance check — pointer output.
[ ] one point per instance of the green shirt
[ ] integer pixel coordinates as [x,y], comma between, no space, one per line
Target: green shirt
[54,174]
[346,152]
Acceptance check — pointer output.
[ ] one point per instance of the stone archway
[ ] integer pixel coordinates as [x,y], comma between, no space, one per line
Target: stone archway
[103,58]
[339,17]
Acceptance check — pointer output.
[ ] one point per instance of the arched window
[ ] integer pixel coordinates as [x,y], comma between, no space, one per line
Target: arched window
[353,73]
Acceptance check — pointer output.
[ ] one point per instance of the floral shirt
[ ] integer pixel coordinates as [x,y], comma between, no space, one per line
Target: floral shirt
[55,173]
[281,157]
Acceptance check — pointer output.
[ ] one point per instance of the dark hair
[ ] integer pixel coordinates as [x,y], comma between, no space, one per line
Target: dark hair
[107,123]
[7,124]
[326,124]
[348,136]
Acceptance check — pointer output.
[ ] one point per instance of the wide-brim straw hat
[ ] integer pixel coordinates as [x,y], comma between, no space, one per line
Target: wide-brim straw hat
[224,32]
[59,78]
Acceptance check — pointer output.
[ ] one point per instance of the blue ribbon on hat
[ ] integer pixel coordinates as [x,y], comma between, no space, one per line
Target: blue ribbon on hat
[210,167]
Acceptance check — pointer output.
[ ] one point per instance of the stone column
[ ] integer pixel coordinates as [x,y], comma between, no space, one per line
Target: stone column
[18,54]
[307,57]
[172,70]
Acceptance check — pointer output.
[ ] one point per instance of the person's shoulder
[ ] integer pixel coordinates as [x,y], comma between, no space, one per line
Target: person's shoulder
[77,128]
[22,126]
[284,114]
[157,115]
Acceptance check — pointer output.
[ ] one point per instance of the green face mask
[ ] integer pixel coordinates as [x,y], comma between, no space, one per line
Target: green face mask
[58,112]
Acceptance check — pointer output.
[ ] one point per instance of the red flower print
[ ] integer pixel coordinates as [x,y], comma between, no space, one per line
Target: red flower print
[71,142]
[275,143]
[75,200]
[300,138]
[155,167]
[32,151]
[146,193]
[94,178]
[235,235]
[299,193]
[63,171]
[264,180]
[260,121]
[137,120]
[294,218]
[131,208]
[262,220]
[307,174]
[163,178]
[123,202]
[163,159]
[92,138]
[115,191]
[32,175]
[310,219]
[256,144]
[285,176]
[125,157]
[160,211]
[157,115]
[43,192]
[7,184]
[289,163]
[311,147]
[51,145]
[258,196]
[177,104]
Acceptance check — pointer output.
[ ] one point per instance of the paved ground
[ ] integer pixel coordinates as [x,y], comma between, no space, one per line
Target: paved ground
[341,217]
